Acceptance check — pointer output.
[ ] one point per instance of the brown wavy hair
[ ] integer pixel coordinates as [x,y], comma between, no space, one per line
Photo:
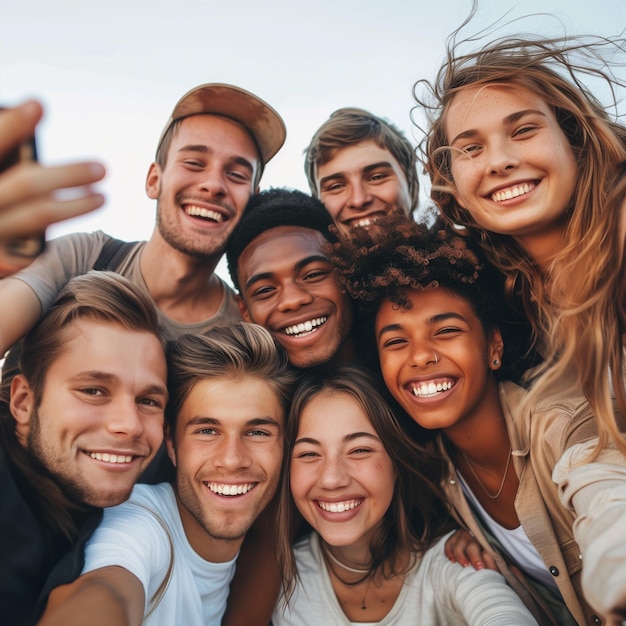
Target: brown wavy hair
[576,320]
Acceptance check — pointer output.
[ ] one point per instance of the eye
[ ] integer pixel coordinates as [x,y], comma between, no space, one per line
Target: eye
[92,391]
[471,150]
[193,164]
[361,451]
[377,177]
[332,187]
[239,176]
[207,430]
[257,432]
[524,130]
[317,274]
[151,402]
[306,455]
[448,330]
[262,292]
[394,342]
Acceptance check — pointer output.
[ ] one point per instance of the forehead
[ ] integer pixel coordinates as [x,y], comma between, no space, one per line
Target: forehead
[233,400]
[279,249]
[490,103]
[216,132]
[319,416]
[355,158]
[426,305]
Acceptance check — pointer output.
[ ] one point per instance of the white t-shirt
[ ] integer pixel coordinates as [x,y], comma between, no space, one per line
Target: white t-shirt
[131,536]
[435,592]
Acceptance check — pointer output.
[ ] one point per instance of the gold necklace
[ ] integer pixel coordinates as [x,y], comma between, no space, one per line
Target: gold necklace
[480,482]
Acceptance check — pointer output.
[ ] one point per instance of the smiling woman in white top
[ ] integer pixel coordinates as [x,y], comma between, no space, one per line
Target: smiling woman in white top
[375,555]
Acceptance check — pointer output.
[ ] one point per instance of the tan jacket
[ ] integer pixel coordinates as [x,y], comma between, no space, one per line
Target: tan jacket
[538,441]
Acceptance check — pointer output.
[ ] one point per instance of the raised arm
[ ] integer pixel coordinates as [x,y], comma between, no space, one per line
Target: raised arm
[29,193]
[19,311]
[110,596]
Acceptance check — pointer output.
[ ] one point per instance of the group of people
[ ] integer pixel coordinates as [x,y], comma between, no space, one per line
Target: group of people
[383,422]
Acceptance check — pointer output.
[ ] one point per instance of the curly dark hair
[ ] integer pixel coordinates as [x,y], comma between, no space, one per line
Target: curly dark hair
[407,256]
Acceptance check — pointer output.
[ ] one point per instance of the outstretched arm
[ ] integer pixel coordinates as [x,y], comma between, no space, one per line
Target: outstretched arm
[110,596]
[596,493]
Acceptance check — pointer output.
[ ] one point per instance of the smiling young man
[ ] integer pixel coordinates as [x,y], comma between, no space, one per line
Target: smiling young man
[361,167]
[208,163]
[278,261]
[168,554]
[78,426]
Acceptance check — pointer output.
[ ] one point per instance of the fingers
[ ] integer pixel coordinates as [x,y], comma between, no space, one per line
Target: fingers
[462,548]
[18,124]
[32,197]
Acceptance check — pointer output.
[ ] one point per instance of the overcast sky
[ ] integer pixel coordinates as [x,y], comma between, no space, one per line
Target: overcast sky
[110,72]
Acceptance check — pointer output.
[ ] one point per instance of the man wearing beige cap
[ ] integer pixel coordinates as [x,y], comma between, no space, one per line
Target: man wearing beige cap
[209,160]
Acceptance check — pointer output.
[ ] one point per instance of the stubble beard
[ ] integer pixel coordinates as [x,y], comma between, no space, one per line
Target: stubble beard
[204,247]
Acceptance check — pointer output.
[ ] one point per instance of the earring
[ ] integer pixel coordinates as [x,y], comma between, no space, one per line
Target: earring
[496,362]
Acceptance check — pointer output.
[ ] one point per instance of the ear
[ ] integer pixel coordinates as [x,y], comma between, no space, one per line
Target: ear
[22,406]
[153,182]
[496,348]
[169,444]
[243,309]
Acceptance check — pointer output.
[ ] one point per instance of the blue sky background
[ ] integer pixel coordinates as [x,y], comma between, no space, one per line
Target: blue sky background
[109,73]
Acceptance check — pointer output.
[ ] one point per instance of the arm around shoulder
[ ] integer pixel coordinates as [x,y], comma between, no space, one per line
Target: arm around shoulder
[110,596]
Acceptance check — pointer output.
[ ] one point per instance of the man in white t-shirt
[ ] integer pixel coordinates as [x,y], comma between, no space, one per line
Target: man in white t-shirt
[168,554]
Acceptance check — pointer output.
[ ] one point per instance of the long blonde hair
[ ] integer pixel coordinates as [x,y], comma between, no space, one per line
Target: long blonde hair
[576,320]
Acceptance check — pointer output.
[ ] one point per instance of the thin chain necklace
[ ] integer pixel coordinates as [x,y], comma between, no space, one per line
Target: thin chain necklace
[480,482]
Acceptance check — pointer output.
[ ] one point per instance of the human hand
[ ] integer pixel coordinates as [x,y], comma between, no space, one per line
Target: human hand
[461,547]
[33,196]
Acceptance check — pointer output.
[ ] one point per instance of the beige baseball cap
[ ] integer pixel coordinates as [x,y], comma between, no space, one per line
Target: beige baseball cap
[260,119]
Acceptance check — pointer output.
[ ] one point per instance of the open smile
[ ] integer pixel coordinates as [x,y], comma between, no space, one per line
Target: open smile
[515,191]
[431,388]
[109,457]
[339,507]
[304,328]
[229,490]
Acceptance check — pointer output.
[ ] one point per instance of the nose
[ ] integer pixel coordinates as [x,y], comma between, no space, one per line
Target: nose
[293,295]
[502,157]
[334,474]
[359,197]
[125,419]
[231,453]
[423,356]
[213,182]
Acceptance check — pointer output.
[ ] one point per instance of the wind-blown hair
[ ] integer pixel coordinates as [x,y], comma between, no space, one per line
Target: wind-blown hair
[97,296]
[243,349]
[416,516]
[349,126]
[407,256]
[572,305]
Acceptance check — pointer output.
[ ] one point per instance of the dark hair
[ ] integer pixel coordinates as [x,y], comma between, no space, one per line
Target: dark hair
[271,209]
[407,256]
[417,515]
[97,296]
[237,350]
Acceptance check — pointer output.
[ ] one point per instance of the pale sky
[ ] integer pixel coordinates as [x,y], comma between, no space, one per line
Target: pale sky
[110,72]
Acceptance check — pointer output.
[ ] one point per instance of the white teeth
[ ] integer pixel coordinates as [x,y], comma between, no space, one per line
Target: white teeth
[512,192]
[339,507]
[196,211]
[364,223]
[229,490]
[305,327]
[428,390]
[110,458]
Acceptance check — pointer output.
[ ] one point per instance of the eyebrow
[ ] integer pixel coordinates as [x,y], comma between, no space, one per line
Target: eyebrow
[314,258]
[205,150]
[435,319]
[346,439]
[105,377]
[214,421]
[366,169]
[509,119]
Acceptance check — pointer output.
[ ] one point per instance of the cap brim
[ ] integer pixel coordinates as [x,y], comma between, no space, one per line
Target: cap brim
[262,121]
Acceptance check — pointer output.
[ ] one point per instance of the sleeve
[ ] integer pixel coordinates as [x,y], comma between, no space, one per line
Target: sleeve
[64,257]
[482,597]
[131,537]
[596,493]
